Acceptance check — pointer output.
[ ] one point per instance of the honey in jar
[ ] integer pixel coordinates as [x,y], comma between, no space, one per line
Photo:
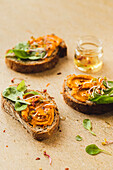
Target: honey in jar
[89,54]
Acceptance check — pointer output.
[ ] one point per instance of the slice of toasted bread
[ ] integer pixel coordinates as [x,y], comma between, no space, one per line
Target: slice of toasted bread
[87,107]
[28,66]
[38,132]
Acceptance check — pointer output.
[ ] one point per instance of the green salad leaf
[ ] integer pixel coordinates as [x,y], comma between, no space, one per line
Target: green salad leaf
[21,54]
[108,91]
[22,87]
[87,125]
[106,96]
[12,93]
[15,94]
[32,92]
[94,150]
[23,51]
[108,84]
[22,46]
[78,138]
[104,99]
[39,56]
[20,106]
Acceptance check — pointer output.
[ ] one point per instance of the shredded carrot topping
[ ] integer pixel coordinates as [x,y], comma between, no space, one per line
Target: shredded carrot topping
[82,85]
[49,43]
[40,112]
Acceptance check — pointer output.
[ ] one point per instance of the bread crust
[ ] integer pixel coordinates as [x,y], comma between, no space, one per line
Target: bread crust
[38,133]
[39,65]
[84,107]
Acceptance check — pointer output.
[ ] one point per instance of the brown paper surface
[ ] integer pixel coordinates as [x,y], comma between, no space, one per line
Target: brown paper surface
[68,19]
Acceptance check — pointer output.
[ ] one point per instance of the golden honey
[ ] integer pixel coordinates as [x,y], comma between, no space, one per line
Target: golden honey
[88,54]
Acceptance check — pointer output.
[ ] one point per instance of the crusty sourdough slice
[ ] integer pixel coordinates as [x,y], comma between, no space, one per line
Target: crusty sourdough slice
[87,107]
[28,66]
[37,132]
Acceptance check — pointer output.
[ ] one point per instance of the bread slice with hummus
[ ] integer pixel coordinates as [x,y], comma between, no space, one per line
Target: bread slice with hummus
[36,55]
[88,94]
[35,110]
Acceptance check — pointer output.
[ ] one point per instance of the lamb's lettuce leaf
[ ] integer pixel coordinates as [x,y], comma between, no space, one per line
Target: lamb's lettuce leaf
[20,106]
[107,95]
[22,46]
[32,92]
[22,87]
[15,94]
[103,99]
[108,84]
[23,51]
[12,93]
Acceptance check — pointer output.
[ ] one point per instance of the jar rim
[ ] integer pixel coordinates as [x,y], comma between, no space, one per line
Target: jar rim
[89,39]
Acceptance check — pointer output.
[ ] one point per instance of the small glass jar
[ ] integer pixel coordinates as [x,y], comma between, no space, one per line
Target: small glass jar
[88,54]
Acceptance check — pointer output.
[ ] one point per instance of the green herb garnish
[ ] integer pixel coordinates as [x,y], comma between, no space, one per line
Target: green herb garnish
[104,99]
[22,87]
[20,106]
[15,94]
[32,92]
[78,138]
[12,93]
[87,125]
[94,150]
[108,84]
[105,96]
[23,51]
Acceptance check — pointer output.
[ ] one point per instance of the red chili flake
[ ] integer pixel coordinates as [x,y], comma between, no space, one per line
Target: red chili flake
[6,146]
[59,73]
[3,131]
[33,103]
[89,62]
[12,80]
[66,168]
[52,97]
[37,158]
[80,58]
[47,84]
[50,160]
[45,90]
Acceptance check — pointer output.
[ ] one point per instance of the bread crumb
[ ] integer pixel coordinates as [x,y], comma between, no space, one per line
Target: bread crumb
[59,73]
